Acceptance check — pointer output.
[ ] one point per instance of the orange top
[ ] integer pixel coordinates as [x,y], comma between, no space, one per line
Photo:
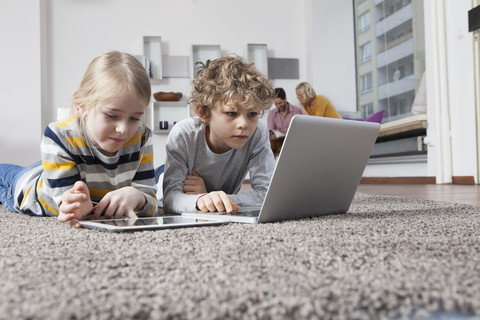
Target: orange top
[322,107]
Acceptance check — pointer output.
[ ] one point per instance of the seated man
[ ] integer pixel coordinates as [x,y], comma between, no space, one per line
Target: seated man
[279,119]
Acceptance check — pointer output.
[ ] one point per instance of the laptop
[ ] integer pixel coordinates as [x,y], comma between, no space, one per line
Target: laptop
[150,223]
[317,172]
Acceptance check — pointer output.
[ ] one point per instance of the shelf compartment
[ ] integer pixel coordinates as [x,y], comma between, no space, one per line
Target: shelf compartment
[258,55]
[202,53]
[170,111]
[152,50]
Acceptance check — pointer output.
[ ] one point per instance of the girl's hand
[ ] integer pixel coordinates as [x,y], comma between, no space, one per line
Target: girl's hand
[216,201]
[120,203]
[76,204]
[194,184]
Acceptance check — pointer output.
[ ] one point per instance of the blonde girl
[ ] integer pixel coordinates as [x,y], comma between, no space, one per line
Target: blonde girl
[100,159]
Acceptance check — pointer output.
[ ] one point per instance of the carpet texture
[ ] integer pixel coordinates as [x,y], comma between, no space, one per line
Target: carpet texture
[388,257]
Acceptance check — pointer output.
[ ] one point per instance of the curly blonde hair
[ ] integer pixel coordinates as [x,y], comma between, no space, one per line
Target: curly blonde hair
[230,79]
[307,93]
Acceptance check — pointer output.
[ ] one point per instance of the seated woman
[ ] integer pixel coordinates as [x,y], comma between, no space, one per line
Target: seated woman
[315,105]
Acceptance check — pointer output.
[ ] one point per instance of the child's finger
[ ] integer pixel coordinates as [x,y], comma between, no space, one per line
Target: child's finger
[218,201]
[74,223]
[64,217]
[110,210]
[69,207]
[132,215]
[79,186]
[74,197]
[190,180]
[228,205]
[188,189]
[194,173]
[205,204]
[100,208]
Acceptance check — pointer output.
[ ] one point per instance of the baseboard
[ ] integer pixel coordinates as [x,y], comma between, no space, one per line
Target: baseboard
[463,180]
[398,180]
[466,180]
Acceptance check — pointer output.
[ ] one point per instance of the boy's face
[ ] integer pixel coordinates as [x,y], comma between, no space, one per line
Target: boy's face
[110,125]
[230,127]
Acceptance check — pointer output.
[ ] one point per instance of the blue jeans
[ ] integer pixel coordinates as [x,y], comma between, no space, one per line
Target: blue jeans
[9,175]
[158,172]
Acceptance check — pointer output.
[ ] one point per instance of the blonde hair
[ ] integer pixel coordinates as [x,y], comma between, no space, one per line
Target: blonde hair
[306,92]
[109,75]
[230,79]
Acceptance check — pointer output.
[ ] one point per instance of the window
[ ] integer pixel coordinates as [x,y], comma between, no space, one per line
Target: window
[366,52]
[366,109]
[366,82]
[364,22]
[390,36]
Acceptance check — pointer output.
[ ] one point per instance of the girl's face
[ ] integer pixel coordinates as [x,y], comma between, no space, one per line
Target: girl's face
[111,124]
[230,127]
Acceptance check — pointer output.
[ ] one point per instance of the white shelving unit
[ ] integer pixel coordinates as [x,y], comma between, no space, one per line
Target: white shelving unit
[170,111]
[152,50]
[204,52]
[258,55]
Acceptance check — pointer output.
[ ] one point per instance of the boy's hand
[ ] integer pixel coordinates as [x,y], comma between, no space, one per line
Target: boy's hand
[194,184]
[120,203]
[76,204]
[216,201]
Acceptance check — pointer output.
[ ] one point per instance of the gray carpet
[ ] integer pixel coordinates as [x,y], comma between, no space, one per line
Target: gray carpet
[387,258]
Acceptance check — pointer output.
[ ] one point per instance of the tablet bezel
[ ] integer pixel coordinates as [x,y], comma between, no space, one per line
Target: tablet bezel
[184,222]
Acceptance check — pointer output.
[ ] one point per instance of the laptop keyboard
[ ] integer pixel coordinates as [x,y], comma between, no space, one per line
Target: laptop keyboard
[248,213]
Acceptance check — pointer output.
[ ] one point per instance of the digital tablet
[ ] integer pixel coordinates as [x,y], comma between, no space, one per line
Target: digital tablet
[151,223]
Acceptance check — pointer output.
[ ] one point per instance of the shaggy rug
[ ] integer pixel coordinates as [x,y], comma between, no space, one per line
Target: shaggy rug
[388,257]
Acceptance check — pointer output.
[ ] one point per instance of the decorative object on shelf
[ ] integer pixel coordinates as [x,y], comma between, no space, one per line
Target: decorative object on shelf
[202,55]
[163,125]
[202,65]
[167,96]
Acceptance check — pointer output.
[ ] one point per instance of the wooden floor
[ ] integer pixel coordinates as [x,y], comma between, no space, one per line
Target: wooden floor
[469,194]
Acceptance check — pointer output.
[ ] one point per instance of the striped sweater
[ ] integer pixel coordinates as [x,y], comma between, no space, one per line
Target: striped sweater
[67,158]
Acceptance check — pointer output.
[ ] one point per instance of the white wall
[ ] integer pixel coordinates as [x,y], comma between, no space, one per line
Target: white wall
[450,90]
[20,93]
[461,88]
[330,59]
[37,80]
[82,29]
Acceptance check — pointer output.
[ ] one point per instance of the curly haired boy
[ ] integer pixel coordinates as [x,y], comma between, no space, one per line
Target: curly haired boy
[208,156]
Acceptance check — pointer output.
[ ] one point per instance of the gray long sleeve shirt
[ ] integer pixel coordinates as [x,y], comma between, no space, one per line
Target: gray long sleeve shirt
[187,150]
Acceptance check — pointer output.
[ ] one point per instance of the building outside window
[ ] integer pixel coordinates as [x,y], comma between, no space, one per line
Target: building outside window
[366,82]
[390,55]
[364,22]
[366,109]
[366,52]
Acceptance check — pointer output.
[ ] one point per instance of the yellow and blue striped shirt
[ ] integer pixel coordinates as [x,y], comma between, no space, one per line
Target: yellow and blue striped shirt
[67,158]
